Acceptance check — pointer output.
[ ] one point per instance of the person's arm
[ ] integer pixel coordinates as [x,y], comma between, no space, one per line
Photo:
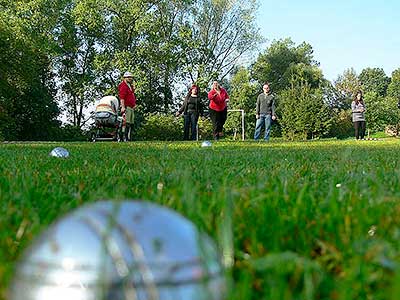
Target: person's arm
[212,94]
[182,109]
[226,98]
[356,109]
[221,97]
[122,97]
[114,106]
[258,107]
[273,109]
[353,107]
[200,107]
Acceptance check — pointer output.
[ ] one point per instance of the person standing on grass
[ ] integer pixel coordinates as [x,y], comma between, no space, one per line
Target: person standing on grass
[265,112]
[191,109]
[127,98]
[218,108]
[358,110]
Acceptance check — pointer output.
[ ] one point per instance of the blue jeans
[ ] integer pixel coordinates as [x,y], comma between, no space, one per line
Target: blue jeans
[190,123]
[264,120]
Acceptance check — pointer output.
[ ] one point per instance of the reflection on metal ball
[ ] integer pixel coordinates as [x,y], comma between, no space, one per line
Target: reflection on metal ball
[206,144]
[120,250]
[59,152]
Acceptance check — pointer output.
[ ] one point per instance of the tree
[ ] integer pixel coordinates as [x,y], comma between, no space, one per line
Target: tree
[282,61]
[392,115]
[374,80]
[304,113]
[347,85]
[149,39]
[166,43]
[243,95]
[166,47]
[381,112]
[222,33]
[394,86]
[27,107]
[76,75]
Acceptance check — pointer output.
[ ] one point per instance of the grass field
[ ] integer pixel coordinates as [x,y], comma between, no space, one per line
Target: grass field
[310,220]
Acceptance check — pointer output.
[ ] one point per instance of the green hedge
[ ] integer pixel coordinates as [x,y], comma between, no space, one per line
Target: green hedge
[160,127]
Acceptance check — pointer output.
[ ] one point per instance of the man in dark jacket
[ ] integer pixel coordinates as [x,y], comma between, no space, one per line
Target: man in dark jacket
[265,112]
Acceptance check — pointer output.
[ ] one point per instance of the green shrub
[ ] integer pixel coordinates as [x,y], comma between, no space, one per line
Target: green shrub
[342,125]
[160,127]
[205,129]
[305,115]
[68,133]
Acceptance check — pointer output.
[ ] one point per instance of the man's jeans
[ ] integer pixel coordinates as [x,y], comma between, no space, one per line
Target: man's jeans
[264,120]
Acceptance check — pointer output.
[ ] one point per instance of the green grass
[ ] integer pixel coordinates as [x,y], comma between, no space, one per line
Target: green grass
[307,220]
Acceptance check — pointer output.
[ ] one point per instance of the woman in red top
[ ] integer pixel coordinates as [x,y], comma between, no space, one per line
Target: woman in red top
[218,108]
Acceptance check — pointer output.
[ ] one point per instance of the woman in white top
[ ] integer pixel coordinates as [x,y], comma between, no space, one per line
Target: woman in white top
[358,110]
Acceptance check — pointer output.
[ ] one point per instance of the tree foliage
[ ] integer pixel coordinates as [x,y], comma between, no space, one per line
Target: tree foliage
[374,80]
[381,111]
[243,96]
[162,42]
[222,32]
[347,84]
[28,110]
[394,86]
[282,61]
[304,114]
[77,35]
[75,51]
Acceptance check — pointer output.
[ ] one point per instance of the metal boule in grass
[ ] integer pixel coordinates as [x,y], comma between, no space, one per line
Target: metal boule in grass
[120,250]
[206,144]
[59,152]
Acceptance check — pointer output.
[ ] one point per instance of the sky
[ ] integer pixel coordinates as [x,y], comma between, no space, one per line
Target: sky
[343,34]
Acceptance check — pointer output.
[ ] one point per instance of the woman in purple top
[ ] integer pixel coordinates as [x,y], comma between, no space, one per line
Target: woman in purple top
[358,110]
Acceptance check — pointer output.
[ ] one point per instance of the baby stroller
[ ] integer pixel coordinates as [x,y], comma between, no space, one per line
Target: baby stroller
[108,123]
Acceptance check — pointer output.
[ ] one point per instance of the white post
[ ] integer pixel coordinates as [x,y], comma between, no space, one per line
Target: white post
[242,113]
[242,125]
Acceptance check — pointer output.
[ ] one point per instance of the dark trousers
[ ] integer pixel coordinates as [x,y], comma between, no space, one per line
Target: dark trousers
[190,123]
[218,119]
[359,129]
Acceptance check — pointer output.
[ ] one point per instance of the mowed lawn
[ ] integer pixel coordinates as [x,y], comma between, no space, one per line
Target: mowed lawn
[304,220]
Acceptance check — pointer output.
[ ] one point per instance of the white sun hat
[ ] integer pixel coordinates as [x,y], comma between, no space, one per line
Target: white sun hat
[128,74]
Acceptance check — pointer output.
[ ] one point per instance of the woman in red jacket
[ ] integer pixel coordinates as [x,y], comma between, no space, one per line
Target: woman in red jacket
[218,108]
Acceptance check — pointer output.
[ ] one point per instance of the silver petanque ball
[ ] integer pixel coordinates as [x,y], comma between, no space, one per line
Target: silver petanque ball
[206,144]
[59,152]
[120,250]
